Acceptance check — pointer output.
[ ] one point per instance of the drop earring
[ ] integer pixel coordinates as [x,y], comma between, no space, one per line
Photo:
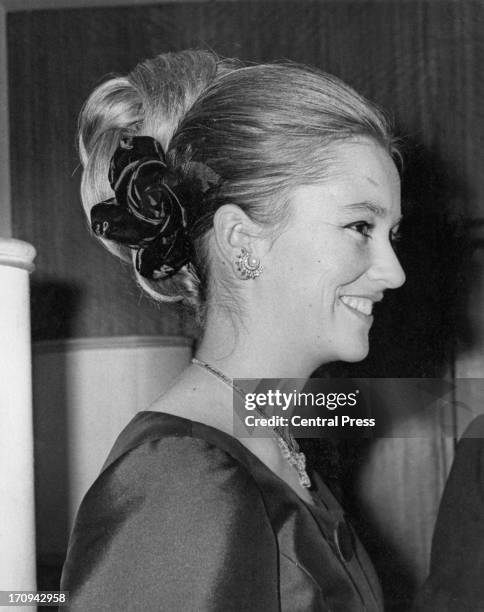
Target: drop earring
[249,267]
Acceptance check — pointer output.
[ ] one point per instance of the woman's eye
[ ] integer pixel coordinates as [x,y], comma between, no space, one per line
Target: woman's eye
[362,227]
[395,236]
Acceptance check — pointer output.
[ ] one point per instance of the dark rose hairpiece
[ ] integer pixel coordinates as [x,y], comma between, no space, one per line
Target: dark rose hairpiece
[146,212]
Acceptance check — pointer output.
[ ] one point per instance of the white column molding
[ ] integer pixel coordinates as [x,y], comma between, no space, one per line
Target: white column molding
[17,510]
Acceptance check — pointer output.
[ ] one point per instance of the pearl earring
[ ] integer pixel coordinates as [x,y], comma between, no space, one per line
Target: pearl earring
[249,267]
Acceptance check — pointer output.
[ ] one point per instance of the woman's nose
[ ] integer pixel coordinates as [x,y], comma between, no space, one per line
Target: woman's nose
[386,268]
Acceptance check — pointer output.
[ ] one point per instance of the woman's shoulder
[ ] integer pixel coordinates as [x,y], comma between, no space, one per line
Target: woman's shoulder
[174,439]
[164,467]
[143,432]
[163,455]
[170,505]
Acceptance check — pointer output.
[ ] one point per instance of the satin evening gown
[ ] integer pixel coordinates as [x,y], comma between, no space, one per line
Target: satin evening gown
[184,518]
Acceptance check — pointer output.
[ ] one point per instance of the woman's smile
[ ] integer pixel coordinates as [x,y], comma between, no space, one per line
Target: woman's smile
[335,259]
[361,306]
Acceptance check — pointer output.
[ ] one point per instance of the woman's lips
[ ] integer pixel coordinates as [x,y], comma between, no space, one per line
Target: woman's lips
[361,305]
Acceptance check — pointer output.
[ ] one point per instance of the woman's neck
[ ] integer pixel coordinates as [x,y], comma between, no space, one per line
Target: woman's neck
[251,348]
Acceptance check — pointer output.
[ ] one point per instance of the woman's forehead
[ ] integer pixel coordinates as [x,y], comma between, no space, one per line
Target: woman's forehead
[365,159]
[362,178]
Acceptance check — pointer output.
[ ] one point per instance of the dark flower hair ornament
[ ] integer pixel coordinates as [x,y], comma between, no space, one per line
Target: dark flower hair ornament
[146,213]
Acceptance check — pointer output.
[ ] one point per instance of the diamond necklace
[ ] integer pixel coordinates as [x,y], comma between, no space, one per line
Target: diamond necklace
[287,443]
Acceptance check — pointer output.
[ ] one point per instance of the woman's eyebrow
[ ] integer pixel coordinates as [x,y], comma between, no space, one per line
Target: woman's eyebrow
[378,211]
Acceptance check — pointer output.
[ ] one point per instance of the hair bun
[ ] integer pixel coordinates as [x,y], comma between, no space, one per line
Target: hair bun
[145,213]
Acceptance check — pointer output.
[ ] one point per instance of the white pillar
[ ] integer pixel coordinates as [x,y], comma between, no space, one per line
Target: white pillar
[17,511]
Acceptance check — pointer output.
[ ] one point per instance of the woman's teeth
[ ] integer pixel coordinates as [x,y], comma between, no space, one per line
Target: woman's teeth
[363,305]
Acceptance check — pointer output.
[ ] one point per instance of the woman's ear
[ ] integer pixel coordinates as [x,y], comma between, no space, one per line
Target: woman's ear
[234,234]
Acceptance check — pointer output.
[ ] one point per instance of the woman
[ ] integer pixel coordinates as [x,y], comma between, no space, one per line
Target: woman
[267,198]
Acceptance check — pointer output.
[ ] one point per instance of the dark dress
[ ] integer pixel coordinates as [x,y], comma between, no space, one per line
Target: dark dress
[184,518]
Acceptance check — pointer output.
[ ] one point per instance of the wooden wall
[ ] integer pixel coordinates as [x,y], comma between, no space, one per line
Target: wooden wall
[422,60]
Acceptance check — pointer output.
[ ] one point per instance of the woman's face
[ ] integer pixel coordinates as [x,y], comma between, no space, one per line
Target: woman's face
[335,258]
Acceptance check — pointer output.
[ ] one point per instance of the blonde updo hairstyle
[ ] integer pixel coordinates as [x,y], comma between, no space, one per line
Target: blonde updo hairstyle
[264,129]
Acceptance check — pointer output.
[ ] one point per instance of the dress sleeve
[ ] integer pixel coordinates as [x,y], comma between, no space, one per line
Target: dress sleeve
[175,524]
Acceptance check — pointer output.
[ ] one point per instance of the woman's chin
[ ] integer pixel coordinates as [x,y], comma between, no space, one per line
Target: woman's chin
[352,354]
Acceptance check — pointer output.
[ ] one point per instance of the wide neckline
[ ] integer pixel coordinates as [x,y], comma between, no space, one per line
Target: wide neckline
[228,440]
[325,509]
